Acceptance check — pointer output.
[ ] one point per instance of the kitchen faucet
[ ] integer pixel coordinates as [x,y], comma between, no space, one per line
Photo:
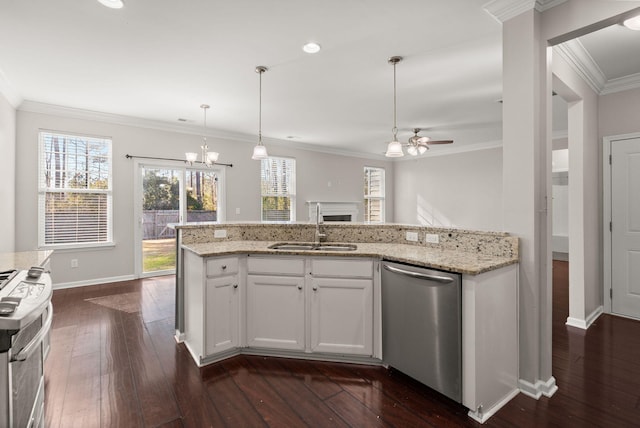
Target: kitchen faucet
[318,235]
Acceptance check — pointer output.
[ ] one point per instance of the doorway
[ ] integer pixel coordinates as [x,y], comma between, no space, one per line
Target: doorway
[168,195]
[622,234]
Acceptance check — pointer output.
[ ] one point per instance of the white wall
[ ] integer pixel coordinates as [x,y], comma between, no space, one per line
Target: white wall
[243,188]
[619,113]
[461,190]
[7,175]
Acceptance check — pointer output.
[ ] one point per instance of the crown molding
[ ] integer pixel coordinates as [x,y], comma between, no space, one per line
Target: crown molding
[75,113]
[504,10]
[574,53]
[621,84]
[542,5]
[137,122]
[453,150]
[6,89]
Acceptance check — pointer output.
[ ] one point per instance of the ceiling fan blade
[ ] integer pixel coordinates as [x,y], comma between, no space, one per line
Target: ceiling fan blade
[440,142]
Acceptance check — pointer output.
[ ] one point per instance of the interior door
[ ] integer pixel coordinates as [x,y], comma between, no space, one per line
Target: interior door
[625,232]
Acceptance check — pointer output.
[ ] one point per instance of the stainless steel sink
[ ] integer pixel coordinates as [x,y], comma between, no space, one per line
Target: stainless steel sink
[305,246]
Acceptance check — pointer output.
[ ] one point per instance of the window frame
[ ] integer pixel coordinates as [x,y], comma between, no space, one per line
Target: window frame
[291,190]
[43,191]
[368,197]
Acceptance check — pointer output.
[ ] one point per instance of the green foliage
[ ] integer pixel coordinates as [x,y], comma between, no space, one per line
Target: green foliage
[160,192]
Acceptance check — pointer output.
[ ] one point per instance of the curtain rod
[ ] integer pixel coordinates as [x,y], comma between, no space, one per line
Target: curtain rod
[177,160]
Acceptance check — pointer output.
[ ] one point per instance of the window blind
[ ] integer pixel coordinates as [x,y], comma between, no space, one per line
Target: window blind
[75,185]
[277,176]
[374,194]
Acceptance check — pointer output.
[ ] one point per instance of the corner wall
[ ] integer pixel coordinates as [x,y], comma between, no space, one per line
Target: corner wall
[462,190]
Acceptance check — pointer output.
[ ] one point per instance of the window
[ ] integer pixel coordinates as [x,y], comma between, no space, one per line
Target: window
[373,194]
[278,184]
[74,191]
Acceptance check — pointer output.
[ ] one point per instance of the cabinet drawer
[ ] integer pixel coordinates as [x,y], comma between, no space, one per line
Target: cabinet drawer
[342,267]
[222,266]
[279,266]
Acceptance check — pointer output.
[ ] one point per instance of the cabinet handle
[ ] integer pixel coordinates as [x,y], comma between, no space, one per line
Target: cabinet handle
[235,285]
[224,267]
[315,288]
[299,287]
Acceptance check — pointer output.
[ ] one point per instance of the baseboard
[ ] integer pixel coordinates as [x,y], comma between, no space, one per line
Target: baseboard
[74,284]
[540,388]
[585,324]
[481,415]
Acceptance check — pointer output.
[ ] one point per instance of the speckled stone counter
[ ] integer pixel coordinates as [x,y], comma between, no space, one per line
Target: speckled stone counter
[23,259]
[461,251]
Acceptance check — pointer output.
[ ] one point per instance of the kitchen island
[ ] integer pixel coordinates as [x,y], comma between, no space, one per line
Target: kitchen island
[238,294]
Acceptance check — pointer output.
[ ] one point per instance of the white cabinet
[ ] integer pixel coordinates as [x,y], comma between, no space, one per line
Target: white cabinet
[276,303]
[310,304]
[212,294]
[489,340]
[341,306]
[222,314]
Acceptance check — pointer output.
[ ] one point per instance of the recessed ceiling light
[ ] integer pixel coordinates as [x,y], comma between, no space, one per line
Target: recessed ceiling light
[311,47]
[113,4]
[633,23]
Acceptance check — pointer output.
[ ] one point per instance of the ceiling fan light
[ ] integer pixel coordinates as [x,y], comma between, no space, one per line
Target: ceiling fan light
[632,23]
[259,152]
[394,150]
[412,150]
[422,149]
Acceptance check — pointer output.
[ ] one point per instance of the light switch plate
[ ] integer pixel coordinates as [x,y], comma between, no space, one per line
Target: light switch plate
[432,238]
[220,233]
[412,236]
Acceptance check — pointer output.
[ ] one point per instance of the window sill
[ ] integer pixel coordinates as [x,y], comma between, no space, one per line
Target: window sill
[87,246]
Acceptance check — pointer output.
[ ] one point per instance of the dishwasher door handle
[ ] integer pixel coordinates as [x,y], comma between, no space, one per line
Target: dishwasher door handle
[437,278]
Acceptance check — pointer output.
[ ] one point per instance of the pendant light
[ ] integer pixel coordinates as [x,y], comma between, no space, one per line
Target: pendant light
[208,158]
[394,148]
[260,151]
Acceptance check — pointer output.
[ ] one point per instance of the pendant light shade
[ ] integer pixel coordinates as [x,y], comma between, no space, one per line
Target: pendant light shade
[260,151]
[394,148]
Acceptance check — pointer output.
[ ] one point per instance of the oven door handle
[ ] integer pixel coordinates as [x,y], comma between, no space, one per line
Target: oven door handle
[37,339]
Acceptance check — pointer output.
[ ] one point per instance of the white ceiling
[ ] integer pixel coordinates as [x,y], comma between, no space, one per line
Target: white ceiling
[160,60]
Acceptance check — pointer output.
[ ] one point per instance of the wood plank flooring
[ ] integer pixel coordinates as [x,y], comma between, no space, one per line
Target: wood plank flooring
[114,363]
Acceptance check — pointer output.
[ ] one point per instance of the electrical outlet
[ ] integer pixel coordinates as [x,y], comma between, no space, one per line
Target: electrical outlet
[432,238]
[237,210]
[220,233]
[74,263]
[412,236]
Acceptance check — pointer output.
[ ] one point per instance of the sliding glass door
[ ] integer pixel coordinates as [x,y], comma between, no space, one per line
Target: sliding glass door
[170,195]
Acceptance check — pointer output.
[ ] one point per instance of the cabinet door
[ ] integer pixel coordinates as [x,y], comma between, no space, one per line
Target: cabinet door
[222,312]
[342,316]
[275,312]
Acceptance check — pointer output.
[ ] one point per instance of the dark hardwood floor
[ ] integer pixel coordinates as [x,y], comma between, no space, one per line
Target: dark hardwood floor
[114,363]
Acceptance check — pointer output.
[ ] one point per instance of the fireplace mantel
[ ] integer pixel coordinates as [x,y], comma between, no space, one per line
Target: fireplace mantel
[334,209]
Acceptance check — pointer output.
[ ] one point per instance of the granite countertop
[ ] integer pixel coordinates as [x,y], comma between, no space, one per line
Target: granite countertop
[23,259]
[449,260]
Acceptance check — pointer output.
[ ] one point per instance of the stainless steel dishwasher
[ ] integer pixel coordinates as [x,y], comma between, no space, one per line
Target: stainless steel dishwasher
[421,326]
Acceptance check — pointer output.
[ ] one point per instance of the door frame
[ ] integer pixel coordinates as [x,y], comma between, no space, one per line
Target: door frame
[137,206]
[607,213]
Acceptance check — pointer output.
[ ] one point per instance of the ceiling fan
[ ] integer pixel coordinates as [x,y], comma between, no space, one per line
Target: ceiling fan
[418,145]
